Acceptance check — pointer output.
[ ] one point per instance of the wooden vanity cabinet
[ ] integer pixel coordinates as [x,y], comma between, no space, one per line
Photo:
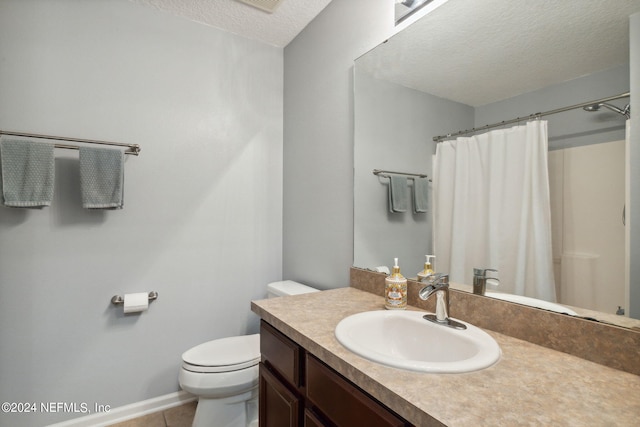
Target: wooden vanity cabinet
[281,393]
[297,389]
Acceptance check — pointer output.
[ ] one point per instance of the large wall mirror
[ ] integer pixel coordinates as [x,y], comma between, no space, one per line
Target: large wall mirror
[467,64]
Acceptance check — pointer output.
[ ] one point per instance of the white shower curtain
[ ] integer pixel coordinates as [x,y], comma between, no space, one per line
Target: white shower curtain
[492,209]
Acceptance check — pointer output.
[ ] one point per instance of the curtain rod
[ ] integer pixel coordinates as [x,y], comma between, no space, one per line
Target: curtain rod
[132,148]
[440,138]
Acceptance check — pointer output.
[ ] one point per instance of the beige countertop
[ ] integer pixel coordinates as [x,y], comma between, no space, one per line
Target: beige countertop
[530,385]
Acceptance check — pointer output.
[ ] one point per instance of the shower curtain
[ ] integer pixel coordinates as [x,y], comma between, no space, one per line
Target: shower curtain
[492,209]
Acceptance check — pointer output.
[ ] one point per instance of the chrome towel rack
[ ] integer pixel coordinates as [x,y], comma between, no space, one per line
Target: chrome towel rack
[385,174]
[131,148]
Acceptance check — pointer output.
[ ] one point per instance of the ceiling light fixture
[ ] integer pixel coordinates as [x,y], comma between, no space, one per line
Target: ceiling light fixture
[268,6]
[405,8]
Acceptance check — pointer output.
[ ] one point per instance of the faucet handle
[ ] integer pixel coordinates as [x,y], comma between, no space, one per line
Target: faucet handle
[439,279]
[482,272]
[480,279]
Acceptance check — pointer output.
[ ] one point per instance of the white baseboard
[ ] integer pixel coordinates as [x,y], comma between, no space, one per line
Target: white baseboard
[127,412]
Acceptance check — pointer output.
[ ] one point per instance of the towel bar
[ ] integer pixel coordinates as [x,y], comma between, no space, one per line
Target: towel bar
[131,148]
[384,174]
[117,299]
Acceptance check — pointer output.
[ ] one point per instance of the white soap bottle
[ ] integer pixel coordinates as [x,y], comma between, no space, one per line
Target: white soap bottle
[395,289]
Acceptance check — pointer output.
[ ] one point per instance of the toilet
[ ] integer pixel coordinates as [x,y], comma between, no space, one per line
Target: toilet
[223,373]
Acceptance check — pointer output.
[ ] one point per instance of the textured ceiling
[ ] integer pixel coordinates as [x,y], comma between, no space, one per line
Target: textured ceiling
[277,28]
[478,52]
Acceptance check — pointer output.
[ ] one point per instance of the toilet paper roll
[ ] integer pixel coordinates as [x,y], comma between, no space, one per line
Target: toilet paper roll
[135,303]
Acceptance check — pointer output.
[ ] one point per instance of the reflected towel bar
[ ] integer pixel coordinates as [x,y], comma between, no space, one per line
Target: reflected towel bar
[131,148]
[385,174]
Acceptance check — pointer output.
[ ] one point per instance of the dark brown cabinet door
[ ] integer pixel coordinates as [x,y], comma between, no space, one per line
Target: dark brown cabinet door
[279,407]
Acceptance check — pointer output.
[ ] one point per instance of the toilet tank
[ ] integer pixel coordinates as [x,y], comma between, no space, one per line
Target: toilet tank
[287,287]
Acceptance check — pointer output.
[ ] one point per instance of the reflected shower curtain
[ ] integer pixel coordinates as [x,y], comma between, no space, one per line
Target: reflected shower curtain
[492,209]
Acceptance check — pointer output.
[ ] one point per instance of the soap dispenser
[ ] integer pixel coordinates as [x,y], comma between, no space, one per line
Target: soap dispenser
[428,269]
[395,289]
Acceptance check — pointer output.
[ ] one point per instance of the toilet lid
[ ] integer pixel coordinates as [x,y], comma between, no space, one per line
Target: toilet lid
[224,354]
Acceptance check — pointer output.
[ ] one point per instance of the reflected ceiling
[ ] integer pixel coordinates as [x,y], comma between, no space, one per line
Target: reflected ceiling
[576,37]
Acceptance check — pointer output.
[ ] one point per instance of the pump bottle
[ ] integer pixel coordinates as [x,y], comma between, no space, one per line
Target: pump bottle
[395,289]
[428,269]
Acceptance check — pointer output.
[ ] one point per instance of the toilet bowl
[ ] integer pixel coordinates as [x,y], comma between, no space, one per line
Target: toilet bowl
[223,373]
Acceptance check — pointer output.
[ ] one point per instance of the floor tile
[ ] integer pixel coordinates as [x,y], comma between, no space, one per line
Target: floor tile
[180,416]
[152,420]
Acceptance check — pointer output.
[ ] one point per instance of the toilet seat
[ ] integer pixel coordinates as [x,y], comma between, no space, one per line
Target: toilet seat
[223,355]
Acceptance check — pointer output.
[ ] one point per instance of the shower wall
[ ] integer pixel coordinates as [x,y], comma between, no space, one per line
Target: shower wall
[588,195]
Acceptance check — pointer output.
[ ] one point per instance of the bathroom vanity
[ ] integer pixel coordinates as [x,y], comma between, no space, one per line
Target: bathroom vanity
[295,384]
[307,378]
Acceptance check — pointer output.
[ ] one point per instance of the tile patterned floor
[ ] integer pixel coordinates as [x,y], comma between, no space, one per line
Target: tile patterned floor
[180,416]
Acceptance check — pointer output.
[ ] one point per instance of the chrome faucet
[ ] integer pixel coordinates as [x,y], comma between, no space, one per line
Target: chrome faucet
[439,285]
[480,280]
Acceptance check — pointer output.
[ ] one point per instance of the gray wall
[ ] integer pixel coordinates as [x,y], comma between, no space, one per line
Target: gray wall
[318,139]
[394,129]
[202,221]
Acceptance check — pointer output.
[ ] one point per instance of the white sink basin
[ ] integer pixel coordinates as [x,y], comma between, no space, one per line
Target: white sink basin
[533,302]
[403,339]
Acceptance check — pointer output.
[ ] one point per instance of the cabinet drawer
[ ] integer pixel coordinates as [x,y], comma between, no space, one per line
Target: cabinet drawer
[280,354]
[342,402]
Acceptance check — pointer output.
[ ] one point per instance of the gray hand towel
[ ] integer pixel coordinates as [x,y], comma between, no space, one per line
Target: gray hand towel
[420,191]
[28,173]
[102,178]
[398,199]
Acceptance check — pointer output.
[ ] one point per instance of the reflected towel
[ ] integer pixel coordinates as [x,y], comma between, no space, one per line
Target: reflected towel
[28,173]
[102,178]
[420,190]
[398,199]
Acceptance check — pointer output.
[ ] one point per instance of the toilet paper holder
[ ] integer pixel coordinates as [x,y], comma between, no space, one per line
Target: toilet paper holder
[117,299]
